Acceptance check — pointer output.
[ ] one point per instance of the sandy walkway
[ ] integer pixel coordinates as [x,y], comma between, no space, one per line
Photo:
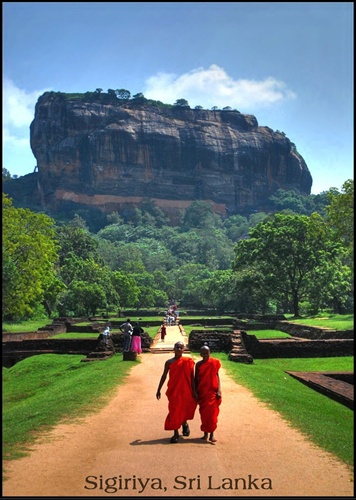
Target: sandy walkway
[124,451]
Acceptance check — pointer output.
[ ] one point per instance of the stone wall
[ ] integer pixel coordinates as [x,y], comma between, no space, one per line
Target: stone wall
[15,337]
[295,348]
[216,340]
[311,332]
[16,350]
[225,341]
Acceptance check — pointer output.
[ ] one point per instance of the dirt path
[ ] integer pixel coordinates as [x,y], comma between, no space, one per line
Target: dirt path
[124,451]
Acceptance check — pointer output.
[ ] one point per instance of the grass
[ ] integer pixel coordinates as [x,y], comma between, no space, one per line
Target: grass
[333,321]
[24,326]
[268,334]
[41,391]
[327,423]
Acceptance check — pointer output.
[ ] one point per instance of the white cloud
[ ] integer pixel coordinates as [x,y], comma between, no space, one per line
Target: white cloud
[18,113]
[18,105]
[214,87]
[13,140]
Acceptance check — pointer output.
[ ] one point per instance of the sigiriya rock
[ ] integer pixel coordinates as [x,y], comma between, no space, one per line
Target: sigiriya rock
[109,153]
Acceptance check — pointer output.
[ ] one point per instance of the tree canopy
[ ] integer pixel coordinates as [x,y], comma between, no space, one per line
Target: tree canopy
[260,262]
[290,252]
[30,254]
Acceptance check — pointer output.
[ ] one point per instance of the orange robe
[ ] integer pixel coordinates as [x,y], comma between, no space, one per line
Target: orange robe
[181,402]
[208,384]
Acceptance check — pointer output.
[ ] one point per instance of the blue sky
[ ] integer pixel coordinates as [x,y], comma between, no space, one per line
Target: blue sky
[288,63]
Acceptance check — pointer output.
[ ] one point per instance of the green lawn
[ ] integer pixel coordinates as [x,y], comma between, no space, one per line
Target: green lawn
[327,423]
[24,326]
[43,390]
[333,321]
[268,334]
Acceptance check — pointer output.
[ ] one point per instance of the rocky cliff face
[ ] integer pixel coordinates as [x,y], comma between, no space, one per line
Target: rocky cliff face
[109,154]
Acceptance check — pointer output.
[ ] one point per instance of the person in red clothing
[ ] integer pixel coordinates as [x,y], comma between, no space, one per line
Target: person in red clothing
[208,390]
[180,392]
[163,331]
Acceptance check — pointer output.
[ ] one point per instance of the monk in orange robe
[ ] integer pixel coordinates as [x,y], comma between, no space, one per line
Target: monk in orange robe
[207,384]
[180,392]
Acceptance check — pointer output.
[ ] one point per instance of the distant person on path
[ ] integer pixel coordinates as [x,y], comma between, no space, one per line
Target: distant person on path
[136,339]
[207,386]
[180,392]
[106,334]
[126,328]
[163,331]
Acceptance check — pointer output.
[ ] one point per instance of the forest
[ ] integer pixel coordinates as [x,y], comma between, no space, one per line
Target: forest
[296,259]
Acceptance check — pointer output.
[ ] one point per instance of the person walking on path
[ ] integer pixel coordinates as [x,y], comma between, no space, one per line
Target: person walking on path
[180,392]
[136,339]
[126,328]
[163,331]
[207,386]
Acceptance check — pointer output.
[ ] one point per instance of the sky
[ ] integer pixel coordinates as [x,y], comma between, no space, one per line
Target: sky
[290,64]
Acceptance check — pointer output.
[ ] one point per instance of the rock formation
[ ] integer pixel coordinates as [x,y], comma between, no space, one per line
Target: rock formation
[108,153]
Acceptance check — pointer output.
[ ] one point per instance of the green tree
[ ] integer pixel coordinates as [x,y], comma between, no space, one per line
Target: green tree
[181,103]
[289,251]
[340,216]
[84,298]
[251,294]
[129,258]
[220,291]
[74,239]
[123,94]
[30,255]
[52,294]
[115,232]
[330,288]
[290,200]
[155,255]
[184,246]
[150,295]
[126,288]
[236,227]
[6,176]
[114,218]
[112,94]
[200,215]
[215,250]
[139,98]
[187,279]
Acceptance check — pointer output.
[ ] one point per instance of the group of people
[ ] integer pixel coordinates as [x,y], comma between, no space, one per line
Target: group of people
[132,336]
[171,319]
[191,385]
[172,314]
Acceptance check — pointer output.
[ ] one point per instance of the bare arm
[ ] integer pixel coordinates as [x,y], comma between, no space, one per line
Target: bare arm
[193,381]
[218,392]
[163,378]
[196,379]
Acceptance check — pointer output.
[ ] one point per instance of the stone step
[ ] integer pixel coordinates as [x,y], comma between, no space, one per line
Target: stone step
[100,354]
